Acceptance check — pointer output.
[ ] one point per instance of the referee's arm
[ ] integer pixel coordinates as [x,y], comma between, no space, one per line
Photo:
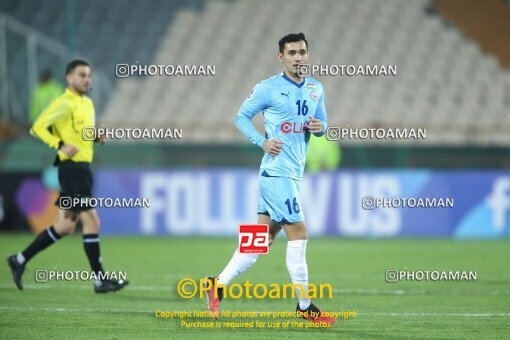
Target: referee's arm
[55,112]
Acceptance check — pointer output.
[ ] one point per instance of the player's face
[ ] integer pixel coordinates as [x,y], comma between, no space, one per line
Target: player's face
[295,53]
[80,79]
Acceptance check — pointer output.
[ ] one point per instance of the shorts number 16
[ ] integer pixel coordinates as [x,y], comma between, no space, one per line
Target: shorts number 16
[295,205]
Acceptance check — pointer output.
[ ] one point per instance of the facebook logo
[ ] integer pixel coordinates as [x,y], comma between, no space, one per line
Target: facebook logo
[499,202]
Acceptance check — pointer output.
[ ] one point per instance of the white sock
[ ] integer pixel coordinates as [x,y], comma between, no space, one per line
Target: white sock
[298,270]
[237,265]
[20,258]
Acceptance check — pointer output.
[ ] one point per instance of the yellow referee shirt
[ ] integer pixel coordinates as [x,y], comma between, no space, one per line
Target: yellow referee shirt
[66,117]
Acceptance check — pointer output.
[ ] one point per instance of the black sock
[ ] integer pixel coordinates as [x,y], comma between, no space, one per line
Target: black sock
[91,245]
[45,239]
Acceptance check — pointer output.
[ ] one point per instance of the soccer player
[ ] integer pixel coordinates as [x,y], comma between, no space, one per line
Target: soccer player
[60,126]
[293,108]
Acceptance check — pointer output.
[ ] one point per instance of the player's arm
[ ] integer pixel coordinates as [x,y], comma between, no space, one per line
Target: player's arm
[55,112]
[258,100]
[319,123]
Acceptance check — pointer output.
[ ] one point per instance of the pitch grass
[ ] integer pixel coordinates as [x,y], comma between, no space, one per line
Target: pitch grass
[355,268]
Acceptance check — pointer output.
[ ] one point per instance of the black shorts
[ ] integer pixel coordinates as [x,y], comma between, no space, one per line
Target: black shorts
[75,182]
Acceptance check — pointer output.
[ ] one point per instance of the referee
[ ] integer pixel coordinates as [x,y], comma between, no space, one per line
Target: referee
[60,126]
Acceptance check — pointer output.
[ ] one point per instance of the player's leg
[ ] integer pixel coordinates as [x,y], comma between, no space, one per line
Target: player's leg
[65,225]
[297,234]
[274,228]
[276,193]
[296,260]
[298,269]
[239,263]
[280,195]
[91,225]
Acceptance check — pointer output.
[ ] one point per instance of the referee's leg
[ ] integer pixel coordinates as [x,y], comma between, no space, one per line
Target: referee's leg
[66,222]
[91,224]
[65,225]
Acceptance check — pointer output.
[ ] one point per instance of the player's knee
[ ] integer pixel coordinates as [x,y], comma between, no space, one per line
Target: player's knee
[65,227]
[302,236]
[92,227]
[301,233]
[296,231]
[298,235]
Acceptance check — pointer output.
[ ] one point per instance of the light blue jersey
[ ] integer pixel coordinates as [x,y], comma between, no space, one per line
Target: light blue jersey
[286,106]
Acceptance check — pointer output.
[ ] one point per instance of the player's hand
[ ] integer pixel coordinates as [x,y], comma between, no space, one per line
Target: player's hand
[101,139]
[315,125]
[272,146]
[69,150]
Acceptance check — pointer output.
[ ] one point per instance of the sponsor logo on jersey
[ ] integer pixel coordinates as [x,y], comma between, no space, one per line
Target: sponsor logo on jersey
[293,127]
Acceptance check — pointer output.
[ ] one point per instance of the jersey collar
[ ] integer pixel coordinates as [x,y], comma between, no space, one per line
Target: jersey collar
[292,81]
[71,93]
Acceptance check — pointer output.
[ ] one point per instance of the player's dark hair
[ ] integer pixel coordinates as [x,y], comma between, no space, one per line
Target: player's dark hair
[74,64]
[293,37]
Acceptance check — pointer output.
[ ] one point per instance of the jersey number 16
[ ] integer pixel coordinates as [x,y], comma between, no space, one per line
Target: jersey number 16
[302,109]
